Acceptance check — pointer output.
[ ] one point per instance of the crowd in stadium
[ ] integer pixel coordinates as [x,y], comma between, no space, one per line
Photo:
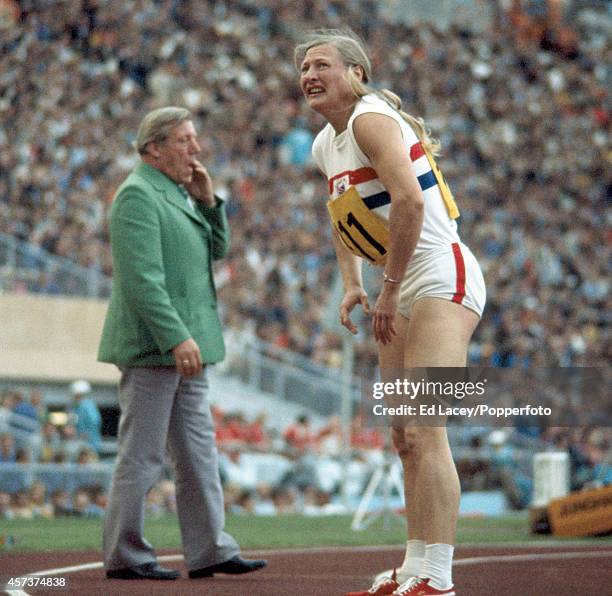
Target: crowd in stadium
[306,473]
[514,105]
[520,109]
[267,469]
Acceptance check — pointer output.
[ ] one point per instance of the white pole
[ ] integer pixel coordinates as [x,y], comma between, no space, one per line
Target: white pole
[346,409]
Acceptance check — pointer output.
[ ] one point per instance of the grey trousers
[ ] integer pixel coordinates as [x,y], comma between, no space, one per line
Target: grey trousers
[160,410]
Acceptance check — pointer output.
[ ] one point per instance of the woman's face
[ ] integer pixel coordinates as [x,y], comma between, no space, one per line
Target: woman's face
[323,80]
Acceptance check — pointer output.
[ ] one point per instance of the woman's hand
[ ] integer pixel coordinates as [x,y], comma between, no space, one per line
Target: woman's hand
[383,323]
[352,297]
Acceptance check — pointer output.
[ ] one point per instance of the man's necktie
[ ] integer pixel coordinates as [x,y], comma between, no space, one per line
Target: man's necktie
[187,197]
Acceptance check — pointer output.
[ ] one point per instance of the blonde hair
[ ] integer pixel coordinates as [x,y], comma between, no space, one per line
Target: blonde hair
[353,53]
[156,126]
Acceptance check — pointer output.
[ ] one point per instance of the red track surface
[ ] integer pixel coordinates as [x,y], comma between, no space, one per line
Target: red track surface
[544,571]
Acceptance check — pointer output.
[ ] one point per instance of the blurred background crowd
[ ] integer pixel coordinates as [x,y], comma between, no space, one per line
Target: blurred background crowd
[521,109]
[267,467]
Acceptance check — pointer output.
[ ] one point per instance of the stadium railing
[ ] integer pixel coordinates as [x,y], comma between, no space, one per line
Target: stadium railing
[287,375]
[26,266]
[69,476]
[25,431]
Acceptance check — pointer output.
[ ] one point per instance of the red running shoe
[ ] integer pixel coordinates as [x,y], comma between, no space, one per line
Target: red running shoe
[417,586]
[383,586]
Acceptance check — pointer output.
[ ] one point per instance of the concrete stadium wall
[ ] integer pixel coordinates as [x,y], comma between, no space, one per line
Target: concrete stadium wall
[48,338]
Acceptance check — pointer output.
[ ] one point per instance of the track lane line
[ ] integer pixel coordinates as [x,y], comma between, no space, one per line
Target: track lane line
[590,554]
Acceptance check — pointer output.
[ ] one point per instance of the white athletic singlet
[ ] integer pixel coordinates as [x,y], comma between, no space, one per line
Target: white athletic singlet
[359,203]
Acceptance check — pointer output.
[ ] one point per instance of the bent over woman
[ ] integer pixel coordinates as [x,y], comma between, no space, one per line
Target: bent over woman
[389,205]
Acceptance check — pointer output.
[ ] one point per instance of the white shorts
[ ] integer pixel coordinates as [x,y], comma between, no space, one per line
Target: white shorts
[450,272]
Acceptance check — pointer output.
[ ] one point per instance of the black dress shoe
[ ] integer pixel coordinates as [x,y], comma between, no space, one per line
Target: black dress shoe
[235,566]
[146,571]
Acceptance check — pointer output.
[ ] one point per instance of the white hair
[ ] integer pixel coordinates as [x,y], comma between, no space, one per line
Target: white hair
[353,53]
[156,126]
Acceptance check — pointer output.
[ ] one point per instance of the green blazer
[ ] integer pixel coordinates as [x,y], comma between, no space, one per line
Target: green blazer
[163,288]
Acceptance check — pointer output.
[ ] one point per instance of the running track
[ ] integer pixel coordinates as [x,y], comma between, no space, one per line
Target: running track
[563,569]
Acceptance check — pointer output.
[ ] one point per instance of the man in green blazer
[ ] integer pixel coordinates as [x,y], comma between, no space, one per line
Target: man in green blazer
[162,329]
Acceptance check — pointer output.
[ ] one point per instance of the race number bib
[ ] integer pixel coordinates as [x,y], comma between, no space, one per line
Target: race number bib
[361,230]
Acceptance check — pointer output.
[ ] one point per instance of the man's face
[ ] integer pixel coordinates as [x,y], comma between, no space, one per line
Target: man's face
[176,156]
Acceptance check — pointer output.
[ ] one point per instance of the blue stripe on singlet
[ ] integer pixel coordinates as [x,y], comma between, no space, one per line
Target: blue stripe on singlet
[377,200]
[427,180]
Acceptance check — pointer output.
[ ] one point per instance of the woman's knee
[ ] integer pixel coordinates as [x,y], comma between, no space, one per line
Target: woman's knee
[408,442]
[412,441]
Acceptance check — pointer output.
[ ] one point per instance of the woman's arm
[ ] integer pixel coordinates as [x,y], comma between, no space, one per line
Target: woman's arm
[350,269]
[380,138]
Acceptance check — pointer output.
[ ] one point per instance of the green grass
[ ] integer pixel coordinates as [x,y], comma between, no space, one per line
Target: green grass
[258,532]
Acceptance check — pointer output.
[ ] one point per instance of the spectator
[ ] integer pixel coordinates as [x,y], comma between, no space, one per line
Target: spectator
[86,456]
[98,496]
[22,507]
[7,400]
[299,437]
[232,432]
[50,443]
[264,499]
[329,438]
[38,499]
[363,437]
[23,407]
[167,490]
[7,448]
[516,484]
[154,505]
[60,457]
[37,401]
[296,144]
[83,507]
[88,418]
[245,502]
[232,495]
[234,471]
[23,456]
[61,503]
[256,434]
[319,502]
[6,509]
[284,500]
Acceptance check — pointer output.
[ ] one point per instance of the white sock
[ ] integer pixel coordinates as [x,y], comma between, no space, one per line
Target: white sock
[413,561]
[437,565]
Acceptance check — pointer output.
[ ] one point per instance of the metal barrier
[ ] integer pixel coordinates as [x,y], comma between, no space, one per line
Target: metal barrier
[68,477]
[287,375]
[24,266]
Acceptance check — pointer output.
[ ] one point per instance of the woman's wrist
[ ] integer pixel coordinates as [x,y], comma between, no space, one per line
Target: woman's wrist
[353,288]
[391,280]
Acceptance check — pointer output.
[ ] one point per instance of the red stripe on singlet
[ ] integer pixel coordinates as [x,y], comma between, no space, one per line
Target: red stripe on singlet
[460,270]
[367,174]
[355,177]
[416,151]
